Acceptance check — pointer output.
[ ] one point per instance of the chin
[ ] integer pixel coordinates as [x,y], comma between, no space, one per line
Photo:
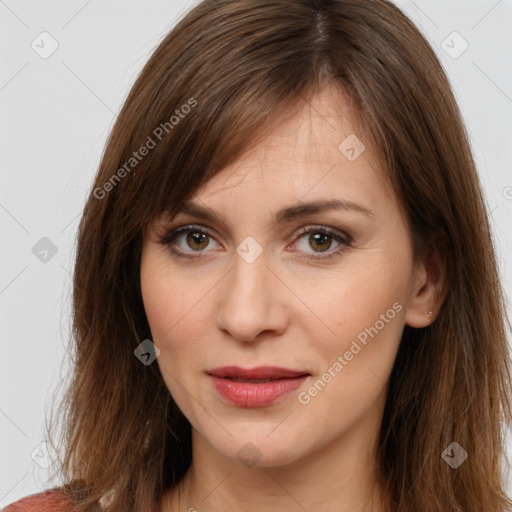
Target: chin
[256,448]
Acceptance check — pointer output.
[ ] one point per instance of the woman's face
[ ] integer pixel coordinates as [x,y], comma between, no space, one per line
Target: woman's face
[272,282]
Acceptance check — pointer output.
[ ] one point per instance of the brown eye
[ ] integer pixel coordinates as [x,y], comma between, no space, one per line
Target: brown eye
[320,240]
[197,240]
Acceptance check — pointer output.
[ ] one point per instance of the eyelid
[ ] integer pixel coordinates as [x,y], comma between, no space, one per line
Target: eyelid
[339,236]
[167,235]
[170,234]
[335,232]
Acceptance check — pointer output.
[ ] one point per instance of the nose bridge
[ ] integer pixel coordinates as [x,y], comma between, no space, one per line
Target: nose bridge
[247,285]
[247,305]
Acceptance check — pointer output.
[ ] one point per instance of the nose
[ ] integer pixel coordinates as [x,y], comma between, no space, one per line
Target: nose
[252,301]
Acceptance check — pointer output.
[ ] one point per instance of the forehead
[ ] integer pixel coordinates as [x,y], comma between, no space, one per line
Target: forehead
[320,148]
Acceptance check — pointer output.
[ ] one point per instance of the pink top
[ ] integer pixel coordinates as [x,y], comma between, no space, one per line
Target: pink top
[52,500]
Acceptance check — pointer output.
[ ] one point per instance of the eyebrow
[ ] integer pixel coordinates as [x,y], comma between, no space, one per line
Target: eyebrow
[286,214]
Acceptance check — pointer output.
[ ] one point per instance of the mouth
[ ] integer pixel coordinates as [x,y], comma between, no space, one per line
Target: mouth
[258,374]
[255,387]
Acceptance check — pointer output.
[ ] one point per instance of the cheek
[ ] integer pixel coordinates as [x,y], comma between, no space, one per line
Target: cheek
[174,303]
[171,299]
[168,312]
[361,312]
[355,362]
[160,307]
[347,302]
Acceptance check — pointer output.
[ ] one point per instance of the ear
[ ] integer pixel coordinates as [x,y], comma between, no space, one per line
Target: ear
[428,292]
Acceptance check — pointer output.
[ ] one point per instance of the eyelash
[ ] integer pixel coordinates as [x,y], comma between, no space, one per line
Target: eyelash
[169,236]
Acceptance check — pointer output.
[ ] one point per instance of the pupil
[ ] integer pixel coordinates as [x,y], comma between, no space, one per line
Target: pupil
[194,236]
[319,237]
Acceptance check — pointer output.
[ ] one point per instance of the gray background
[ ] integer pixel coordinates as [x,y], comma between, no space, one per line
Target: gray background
[55,115]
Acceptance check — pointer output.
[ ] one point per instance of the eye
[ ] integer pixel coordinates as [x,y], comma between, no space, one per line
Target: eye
[320,237]
[198,239]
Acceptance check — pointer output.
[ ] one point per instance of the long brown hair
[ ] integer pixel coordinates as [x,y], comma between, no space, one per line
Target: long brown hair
[226,71]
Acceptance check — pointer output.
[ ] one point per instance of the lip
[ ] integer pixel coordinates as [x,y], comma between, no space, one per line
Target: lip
[255,394]
[259,372]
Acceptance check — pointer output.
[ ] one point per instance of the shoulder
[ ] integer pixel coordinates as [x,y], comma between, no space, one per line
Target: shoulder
[53,500]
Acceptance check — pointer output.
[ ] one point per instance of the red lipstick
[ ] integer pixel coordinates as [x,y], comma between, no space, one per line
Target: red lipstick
[255,387]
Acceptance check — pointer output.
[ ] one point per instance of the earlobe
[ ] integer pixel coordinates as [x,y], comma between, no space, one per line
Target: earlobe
[428,292]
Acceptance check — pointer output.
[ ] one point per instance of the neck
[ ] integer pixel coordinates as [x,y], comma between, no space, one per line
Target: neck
[340,477]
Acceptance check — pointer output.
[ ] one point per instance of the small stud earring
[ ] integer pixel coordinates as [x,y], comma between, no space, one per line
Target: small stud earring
[430,313]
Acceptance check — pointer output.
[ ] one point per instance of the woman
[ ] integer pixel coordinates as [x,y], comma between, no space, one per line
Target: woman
[222,360]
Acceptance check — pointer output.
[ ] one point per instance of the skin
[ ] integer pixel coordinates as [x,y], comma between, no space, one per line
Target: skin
[288,311]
